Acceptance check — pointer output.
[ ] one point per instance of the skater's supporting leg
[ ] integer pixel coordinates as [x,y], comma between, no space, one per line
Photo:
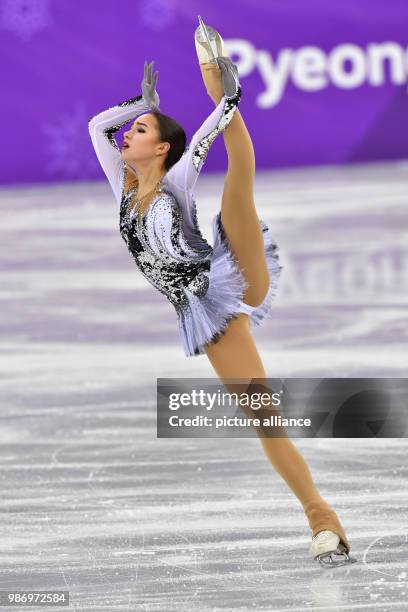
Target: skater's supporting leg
[235,355]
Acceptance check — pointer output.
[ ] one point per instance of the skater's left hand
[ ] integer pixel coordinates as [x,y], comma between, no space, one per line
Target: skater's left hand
[229,75]
[150,95]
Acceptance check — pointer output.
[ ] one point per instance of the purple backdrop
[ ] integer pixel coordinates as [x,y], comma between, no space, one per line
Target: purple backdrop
[323,82]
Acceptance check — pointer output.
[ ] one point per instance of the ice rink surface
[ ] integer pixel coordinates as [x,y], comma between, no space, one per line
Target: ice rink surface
[93,502]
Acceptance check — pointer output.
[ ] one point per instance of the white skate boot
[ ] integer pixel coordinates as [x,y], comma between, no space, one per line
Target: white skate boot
[328,551]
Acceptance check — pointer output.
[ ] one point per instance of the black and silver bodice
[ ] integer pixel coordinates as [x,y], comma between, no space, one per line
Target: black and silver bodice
[160,249]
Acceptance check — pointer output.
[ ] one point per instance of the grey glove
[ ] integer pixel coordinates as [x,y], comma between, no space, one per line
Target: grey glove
[150,95]
[229,75]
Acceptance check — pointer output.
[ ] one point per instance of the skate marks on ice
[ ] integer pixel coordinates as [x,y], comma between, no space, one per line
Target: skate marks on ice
[92,501]
[395,542]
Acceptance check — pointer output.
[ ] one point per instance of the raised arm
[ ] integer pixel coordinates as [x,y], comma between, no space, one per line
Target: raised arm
[105,124]
[101,129]
[185,172]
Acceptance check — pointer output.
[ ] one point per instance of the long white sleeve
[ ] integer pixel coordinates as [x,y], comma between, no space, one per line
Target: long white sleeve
[101,129]
[183,175]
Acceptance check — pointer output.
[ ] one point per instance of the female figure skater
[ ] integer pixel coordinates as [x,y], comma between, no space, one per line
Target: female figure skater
[217,291]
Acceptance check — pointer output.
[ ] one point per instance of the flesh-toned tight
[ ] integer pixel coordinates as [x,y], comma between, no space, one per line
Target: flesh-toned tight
[235,354]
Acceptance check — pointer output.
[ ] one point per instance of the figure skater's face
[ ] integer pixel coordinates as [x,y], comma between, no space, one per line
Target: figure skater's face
[142,141]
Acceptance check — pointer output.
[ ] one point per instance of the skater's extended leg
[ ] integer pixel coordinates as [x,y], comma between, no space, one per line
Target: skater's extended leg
[238,212]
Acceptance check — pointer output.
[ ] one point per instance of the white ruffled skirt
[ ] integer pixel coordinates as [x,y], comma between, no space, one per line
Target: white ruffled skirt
[206,317]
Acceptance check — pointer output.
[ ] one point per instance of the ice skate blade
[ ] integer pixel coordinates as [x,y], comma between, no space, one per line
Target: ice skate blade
[335,559]
[209,44]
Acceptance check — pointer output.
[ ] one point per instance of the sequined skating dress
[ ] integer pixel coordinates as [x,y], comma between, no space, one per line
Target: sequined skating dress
[202,281]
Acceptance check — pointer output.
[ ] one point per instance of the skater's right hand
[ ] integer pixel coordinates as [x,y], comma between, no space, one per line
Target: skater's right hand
[150,95]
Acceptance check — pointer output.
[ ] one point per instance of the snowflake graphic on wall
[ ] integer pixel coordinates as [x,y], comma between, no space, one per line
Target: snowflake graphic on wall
[69,147]
[25,17]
